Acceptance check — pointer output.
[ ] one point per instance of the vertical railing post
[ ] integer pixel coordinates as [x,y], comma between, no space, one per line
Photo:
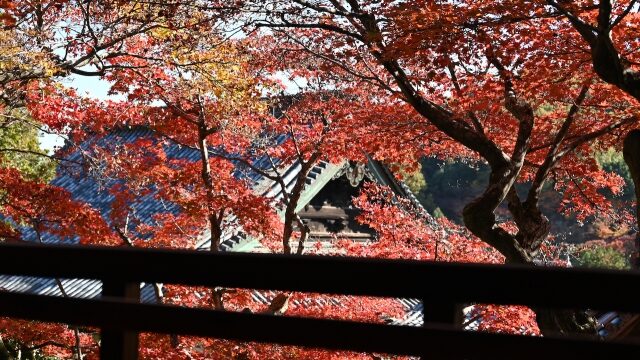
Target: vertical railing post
[119,343]
[441,313]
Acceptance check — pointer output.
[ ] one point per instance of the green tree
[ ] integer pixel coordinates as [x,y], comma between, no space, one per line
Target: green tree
[415,179]
[603,257]
[20,148]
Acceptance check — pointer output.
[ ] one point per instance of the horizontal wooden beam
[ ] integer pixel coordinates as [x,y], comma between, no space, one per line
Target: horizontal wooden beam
[448,282]
[328,212]
[436,342]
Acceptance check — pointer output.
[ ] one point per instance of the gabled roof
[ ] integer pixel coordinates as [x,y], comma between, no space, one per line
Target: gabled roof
[90,188]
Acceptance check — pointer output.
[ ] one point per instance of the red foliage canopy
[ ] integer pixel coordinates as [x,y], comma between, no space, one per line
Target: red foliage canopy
[534,89]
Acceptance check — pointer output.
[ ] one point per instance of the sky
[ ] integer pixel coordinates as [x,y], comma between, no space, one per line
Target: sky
[97,88]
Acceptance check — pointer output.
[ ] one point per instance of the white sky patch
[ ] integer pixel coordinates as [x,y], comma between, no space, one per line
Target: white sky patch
[291,86]
[96,88]
[50,142]
[92,87]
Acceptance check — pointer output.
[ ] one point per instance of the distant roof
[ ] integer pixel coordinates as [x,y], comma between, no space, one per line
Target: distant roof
[90,188]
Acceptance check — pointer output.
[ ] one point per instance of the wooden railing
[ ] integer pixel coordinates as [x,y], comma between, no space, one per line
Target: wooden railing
[441,286]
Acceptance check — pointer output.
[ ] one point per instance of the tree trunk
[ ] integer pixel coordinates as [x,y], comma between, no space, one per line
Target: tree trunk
[215,228]
[292,199]
[533,228]
[480,219]
[565,322]
[290,215]
[215,218]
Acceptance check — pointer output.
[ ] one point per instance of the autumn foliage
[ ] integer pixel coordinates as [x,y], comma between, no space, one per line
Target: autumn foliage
[532,89]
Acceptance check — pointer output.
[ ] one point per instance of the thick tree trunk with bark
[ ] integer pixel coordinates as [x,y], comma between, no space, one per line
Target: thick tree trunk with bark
[533,228]
[480,219]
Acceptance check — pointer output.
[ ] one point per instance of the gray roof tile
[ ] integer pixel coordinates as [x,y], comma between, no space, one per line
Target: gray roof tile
[86,187]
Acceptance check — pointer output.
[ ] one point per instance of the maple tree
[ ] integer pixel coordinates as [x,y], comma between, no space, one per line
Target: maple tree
[39,51]
[604,254]
[609,33]
[509,84]
[472,79]
[207,105]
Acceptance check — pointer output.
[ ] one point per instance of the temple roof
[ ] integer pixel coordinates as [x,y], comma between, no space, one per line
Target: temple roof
[87,186]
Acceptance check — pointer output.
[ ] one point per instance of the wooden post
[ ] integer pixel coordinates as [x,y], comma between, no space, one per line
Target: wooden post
[117,343]
[446,314]
[441,313]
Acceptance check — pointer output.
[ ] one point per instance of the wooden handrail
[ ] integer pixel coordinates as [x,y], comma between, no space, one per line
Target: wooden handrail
[440,285]
[438,342]
[448,282]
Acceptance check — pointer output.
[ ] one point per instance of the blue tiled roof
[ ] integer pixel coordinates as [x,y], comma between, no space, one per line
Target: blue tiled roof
[91,188]
[88,186]
[82,288]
